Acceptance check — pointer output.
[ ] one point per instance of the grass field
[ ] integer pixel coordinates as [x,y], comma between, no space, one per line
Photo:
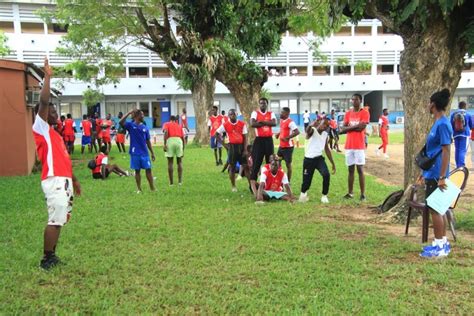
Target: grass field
[200,248]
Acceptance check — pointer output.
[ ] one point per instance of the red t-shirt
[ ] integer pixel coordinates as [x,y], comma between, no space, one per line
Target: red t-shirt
[68,127]
[86,127]
[225,118]
[235,131]
[100,159]
[333,124]
[98,129]
[184,120]
[273,182]
[286,127]
[173,129]
[214,122]
[356,139]
[106,125]
[264,131]
[383,121]
[51,151]
[59,127]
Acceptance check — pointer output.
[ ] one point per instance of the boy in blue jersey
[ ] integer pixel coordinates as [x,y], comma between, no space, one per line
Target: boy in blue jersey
[461,124]
[139,146]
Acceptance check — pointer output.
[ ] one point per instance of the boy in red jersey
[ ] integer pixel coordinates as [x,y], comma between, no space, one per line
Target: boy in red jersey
[214,122]
[355,122]
[263,121]
[237,133]
[103,169]
[106,125]
[272,181]
[57,179]
[174,147]
[86,127]
[288,130]
[69,133]
[184,126]
[383,133]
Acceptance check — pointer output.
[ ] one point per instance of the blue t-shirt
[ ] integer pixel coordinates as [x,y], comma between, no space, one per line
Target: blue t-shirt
[139,134]
[441,133]
[467,128]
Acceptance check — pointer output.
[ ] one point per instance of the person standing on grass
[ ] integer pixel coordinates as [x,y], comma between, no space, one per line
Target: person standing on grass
[288,130]
[383,133]
[355,122]
[306,119]
[139,143]
[69,133]
[237,133]
[86,127]
[472,142]
[438,144]
[214,122]
[106,126]
[103,169]
[263,121]
[120,137]
[174,147]
[316,142]
[93,133]
[272,182]
[184,126]
[461,124]
[57,179]
[98,129]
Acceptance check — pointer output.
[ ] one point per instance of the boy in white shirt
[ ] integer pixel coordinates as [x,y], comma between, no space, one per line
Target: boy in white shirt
[316,142]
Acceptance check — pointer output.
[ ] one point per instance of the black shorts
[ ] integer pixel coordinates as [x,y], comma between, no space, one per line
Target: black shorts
[333,133]
[286,154]
[99,176]
[430,186]
[236,154]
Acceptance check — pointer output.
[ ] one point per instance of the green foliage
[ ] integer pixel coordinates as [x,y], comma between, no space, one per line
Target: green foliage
[265,93]
[91,97]
[342,61]
[362,65]
[4,49]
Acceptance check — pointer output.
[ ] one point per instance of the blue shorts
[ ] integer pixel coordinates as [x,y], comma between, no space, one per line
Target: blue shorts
[138,162]
[215,143]
[86,140]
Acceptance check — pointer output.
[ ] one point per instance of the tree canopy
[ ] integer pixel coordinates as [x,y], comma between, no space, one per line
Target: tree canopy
[4,49]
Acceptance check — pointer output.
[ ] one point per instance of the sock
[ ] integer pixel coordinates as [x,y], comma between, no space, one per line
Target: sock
[445,239]
[439,242]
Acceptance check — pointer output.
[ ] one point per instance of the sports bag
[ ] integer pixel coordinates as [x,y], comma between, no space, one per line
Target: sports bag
[459,122]
[91,164]
[423,161]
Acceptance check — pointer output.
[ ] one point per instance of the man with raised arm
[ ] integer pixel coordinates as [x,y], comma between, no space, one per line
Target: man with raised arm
[57,179]
[139,143]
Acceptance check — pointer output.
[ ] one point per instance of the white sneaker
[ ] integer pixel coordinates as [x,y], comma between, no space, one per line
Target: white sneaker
[127,173]
[386,156]
[239,177]
[324,199]
[377,152]
[303,197]
[234,189]
[139,192]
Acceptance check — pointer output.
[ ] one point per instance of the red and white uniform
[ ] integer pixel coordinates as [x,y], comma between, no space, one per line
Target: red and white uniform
[56,172]
[225,119]
[273,182]
[59,127]
[214,123]
[98,129]
[100,159]
[184,121]
[383,123]
[264,131]
[68,131]
[106,125]
[356,139]
[333,124]
[286,128]
[86,127]
[173,129]
[235,131]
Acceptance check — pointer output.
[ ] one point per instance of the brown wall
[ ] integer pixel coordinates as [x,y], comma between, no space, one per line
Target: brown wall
[16,140]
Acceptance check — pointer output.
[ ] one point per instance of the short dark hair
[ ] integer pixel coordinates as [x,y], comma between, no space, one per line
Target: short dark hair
[231,110]
[462,105]
[103,148]
[264,99]
[84,117]
[215,107]
[441,99]
[384,110]
[37,105]
[69,115]
[172,118]
[357,95]
[286,109]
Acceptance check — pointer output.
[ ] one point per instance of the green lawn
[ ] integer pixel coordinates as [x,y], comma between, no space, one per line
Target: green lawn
[394,137]
[200,248]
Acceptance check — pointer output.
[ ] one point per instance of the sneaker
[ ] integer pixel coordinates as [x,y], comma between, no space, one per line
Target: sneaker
[127,173]
[138,192]
[303,197]
[239,177]
[447,247]
[386,156]
[377,152]
[348,196]
[434,252]
[48,263]
[363,198]
[234,189]
[324,199]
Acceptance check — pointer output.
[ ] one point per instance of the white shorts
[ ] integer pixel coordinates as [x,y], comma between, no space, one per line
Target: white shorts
[58,192]
[355,157]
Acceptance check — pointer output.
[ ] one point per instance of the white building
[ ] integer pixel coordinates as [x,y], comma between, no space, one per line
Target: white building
[298,80]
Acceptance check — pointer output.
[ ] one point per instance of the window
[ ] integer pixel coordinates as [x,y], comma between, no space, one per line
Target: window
[298,71]
[363,30]
[57,28]
[138,72]
[342,70]
[321,70]
[7,27]
[180,105]
[161,72]
[73,108]
[468,67]
[344,31]
[277,71]
[320,105]
[144,106]
[382,30]
[394,104]
[341,104]
[469,99]
[115,107]
[32,28]
[385,69]
[116,71]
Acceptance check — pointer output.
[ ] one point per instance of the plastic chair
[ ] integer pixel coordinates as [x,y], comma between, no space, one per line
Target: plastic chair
[459,177]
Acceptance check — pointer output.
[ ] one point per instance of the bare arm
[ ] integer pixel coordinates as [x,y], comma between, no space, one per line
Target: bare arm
[294,133]
[43,110]
[76,185]
[260,191]
[445,153]
[148,144]
[165,140]
[245,153]
[102,171]
[124,118]
[327,150]
[255,124]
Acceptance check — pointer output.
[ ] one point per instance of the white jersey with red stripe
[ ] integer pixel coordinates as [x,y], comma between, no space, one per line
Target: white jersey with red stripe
[51,151]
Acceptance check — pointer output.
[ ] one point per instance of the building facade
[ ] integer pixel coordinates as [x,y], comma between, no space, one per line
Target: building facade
[361,58]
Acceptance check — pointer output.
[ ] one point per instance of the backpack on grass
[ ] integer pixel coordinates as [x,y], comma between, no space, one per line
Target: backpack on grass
[459,122]
[91,164]
[390,201]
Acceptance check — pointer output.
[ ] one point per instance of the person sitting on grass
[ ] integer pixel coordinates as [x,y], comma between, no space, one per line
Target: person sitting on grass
[272,182]
[103,169]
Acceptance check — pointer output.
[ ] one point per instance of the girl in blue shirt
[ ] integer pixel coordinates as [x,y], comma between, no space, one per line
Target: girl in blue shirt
[438,142]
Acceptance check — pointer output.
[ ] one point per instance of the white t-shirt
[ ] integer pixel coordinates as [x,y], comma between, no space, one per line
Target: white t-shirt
[315,144]
[306,117]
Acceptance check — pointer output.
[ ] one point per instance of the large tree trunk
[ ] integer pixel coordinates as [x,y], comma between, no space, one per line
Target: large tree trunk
[432,60]
[203,100]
